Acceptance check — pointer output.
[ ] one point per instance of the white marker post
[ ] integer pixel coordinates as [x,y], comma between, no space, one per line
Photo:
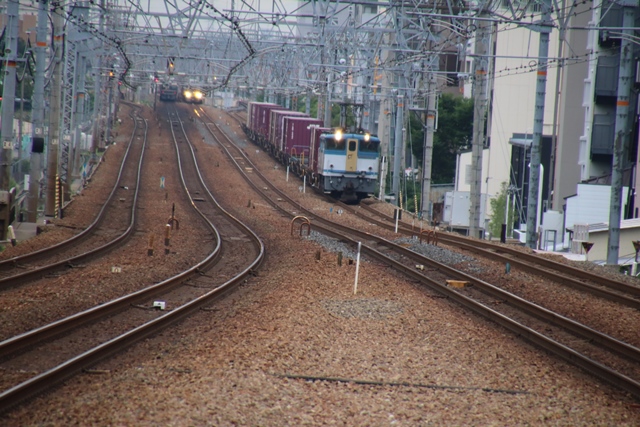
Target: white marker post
[397,219]
[287,174]
[12,235]
[355,285]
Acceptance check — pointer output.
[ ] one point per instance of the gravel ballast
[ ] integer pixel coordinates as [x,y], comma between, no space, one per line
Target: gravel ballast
[294,346]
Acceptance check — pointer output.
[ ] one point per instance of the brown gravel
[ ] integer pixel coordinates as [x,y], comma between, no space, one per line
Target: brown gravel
[233,365]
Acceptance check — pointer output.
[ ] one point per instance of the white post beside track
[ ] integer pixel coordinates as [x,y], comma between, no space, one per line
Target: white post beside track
[397,219]
[355,285]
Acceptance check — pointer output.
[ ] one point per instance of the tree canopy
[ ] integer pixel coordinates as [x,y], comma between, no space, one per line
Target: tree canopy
[454,133]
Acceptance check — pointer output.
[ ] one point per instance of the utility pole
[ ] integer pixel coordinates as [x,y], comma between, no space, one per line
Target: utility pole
[107,132]
[79,115]
[52,204]
[427,155]
[99,87]
[544,27]
[37,113]
[622,129]
[480,101]
[398,147]
[80,12]
[8,112]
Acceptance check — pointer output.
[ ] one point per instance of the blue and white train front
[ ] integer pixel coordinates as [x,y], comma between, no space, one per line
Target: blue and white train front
[348,164]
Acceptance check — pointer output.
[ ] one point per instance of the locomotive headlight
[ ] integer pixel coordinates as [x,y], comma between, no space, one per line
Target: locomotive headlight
[197,95]
[188,94]
[367,137]
[338,135]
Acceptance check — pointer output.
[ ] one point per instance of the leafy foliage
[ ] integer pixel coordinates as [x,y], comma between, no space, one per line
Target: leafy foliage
[498,204]
[454,133]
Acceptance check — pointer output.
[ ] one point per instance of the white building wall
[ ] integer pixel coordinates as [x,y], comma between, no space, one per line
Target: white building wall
[591,205]
[513,102]
[463,171]
[514,96]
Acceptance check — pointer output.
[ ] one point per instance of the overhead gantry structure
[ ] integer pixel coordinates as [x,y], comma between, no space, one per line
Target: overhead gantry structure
[383,56]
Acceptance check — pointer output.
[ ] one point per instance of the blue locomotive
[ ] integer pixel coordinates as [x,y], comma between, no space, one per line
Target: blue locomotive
[344,165]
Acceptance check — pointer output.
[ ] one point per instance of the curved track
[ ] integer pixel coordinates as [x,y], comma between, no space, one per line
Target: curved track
[184,293]
[599,354]
[585,281]
[111,228]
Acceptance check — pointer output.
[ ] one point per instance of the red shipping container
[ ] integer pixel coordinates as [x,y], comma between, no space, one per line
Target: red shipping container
[252,111]
[297,138]
[263,118]
[277,122]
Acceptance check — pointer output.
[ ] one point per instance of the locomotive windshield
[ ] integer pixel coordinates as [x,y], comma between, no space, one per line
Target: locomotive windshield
[332,144]
[370,146]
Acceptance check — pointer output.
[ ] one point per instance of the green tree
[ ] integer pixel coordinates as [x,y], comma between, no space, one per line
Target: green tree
[454,133]
[498,204]
[313,105]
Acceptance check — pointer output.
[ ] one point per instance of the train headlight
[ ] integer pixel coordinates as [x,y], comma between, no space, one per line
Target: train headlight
[367,137]
[197,95]
[338,135]
[187,94]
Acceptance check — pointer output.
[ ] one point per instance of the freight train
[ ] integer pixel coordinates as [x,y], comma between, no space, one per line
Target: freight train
[344,165]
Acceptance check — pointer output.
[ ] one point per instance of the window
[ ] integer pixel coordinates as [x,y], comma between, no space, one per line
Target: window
[369,146]
[332,144]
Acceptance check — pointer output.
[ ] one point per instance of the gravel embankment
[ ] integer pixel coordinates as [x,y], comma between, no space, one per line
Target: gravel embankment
[294,346]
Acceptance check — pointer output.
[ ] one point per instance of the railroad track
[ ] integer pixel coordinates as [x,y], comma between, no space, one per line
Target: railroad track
[183,294]
[113,225]
[603,356]
[581,280]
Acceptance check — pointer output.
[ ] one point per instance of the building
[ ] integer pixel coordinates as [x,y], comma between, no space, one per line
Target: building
[579,115]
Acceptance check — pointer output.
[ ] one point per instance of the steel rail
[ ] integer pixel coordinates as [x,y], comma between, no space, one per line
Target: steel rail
[10,262]
[52,377]
[475,244]
[572,356]
[607,288]
[23,277]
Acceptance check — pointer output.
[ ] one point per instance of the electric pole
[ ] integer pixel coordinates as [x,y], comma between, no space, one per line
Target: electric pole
[480,101]
[544,27]
[622,129]
[8,112]
[37,113]
[428,127]
[52,203]
[398,147]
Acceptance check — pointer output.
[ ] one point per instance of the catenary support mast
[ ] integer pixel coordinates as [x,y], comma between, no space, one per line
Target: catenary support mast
[37,113]
[622,129]
[8,110]
[52,202]
[480,101]
[538,122]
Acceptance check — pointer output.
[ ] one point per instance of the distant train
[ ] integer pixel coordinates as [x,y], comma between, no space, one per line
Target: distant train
[346,166]
[168,92]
